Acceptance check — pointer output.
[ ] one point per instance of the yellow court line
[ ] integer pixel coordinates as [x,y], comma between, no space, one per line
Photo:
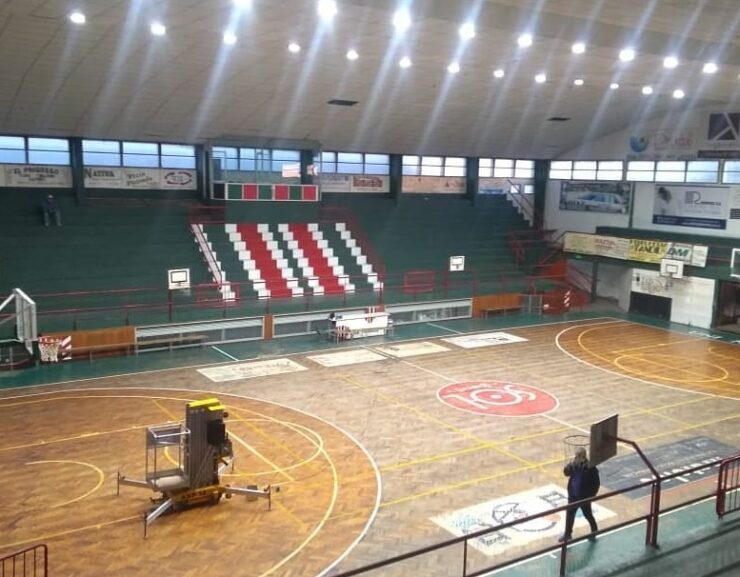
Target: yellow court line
[101,478]
[260,456]
[165,410]
[73,438]
[431,458]
[424,415]
[261,432]
[654,346]
[690,427]
[735,359]
[699,378]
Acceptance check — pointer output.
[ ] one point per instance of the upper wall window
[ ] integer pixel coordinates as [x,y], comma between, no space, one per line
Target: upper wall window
[141,154]
[177,156]
[48,151]
[641,171]
[702,171]
[101,153]
[731,172]
[12,149]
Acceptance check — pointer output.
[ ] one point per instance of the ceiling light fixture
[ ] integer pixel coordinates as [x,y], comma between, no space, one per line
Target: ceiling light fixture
[402,20]
[77,18]
[578,82]
[670,62]
[627,55]
[327,9]
[647,90]
[540,78]
[578,48]
[709,68]
[405,62]
[242,3]
[524,41]
[614,86]
[158,29]
[352,54]
[294,47]
[453,68]
[229,38]
[498,73]
[678,94]
[467,31]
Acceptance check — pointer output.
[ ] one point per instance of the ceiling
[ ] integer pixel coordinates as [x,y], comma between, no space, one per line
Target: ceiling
[111,78]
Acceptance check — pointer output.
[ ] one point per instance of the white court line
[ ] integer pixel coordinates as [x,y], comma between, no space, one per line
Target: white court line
[444,329]
[224,353]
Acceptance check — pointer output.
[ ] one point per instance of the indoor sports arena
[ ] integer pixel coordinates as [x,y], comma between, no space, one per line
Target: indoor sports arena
[325,288]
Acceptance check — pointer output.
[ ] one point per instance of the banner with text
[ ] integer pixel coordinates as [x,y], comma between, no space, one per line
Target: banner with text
[36,176]
[140,178]
[694,206]
[613,197]
[355,183]
[650,251]
[433,184]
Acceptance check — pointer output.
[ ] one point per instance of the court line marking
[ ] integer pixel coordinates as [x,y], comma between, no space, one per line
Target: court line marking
[654,346]
[444,329]
[101,478]
[260,456]
[576,322]
[371,461]
[224,353]
[698,378]
[618,374]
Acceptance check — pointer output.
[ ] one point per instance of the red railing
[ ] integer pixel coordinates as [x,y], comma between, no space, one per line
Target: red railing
[31,562]
[728,486]
[650,518]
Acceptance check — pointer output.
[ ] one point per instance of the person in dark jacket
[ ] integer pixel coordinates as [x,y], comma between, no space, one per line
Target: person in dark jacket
[583,483]
[50,208]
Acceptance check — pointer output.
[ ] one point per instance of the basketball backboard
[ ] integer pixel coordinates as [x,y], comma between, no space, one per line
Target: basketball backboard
[671,268]
[603,440]
[178,278]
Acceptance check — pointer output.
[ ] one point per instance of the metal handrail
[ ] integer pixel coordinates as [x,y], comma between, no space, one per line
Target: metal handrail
[22,555]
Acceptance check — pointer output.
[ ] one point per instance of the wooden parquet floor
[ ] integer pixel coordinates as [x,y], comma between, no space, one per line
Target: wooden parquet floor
[60,449]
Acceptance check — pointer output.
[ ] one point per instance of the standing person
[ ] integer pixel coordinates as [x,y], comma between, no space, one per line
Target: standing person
[583,483]
[51,208]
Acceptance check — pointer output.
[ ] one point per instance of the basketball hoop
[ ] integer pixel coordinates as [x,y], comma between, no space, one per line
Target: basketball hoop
[49,349]
[572,443]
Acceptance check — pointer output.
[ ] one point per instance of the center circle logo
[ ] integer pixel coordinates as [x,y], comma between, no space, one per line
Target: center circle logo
[497,398]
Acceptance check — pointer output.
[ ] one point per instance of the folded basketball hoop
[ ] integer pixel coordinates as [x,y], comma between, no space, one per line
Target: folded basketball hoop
[49,349]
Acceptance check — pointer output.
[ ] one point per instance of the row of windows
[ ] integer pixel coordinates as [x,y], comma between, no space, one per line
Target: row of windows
[433,166]
[505,168]
[703,171]
[353,163]
[55,151]
[255,159]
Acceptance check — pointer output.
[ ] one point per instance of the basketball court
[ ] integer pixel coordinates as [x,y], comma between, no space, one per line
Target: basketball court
[377,449]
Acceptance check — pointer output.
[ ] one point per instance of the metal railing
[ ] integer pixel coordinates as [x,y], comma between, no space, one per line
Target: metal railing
[30,562]
[651,518]
[728,486]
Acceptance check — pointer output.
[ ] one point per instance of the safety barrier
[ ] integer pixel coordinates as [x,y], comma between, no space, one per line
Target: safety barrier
[31,562]
[728,486]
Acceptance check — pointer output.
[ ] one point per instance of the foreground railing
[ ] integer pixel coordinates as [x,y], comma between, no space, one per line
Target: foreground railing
[728,486]
[651,518]
[31,562]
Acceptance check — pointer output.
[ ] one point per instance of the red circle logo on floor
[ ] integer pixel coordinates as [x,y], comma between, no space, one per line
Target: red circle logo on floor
[497,398]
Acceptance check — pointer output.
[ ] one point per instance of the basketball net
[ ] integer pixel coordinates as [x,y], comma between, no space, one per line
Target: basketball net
[49,349]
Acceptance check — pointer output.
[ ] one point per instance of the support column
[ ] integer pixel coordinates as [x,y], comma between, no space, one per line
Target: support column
[396,176]
[78,169]
[471,179]
[541,174]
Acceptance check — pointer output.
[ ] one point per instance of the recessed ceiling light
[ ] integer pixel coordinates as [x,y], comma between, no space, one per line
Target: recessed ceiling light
[294,47]
[453,68]
[540,78]
[352,54]
[614,86]
[578,48]
[627,55]
[77,17]
[327,9]
[709,68]
[242,3]
[158,29]
[670,62]
[467,31]
[647,90]
[402,20]
[678,94]
[498,73]
[229,38]
[578,82]
[405,62]
[524,40]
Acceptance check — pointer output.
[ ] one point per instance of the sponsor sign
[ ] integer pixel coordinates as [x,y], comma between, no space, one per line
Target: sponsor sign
[609,197]
[498,399]
[355,183]
[694,206]
[579,242]
[103,177]
[493,185]
[251,370]
[652,251]
[138,178]
[343,358]
[433,184]
[611,246]
[141,178]
[495,512]
[36,175]
[628,469]
[178,179]
[484,340]
[663,144]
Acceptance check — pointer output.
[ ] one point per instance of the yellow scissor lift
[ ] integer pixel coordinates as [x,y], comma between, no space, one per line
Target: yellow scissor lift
[192,476]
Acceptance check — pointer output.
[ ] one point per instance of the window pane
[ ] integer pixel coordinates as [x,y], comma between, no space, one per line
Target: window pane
[561,165]
[668,176]
[524,169]
[292,155]
[355,157]
[13,156]
[431,170]
[454,161]
[100,146]
[377,169]
[585,165]
[485,171]
[641,165]
[411,170]
[731,177]
[584,174]
[177,150]
[48,157]
[377,159]
[140,148]
[732,166]
[328,157]
[670,171]
[248,164]
[141,160]
[559,174]
[48,144]
[485,162]
[702,171]
[640,176]
[610,165]
[410,160]
[454,171]
[671,165]
[431,160]
[16,142]
[698,176]
[101,159]
[731,172]
[349,168]
[503,172]
[178,162]
[504,163]
[609,175]
[525,164]
[248,153]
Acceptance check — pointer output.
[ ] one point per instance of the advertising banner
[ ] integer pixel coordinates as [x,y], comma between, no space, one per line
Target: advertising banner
[103,177]
[493,185]
[433,184]
[652,251]
[40,176]
[648,250]
[612,246]
[581,243]
[611,197]
[694,206]
[355,183]
[140,178]
[171,179]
